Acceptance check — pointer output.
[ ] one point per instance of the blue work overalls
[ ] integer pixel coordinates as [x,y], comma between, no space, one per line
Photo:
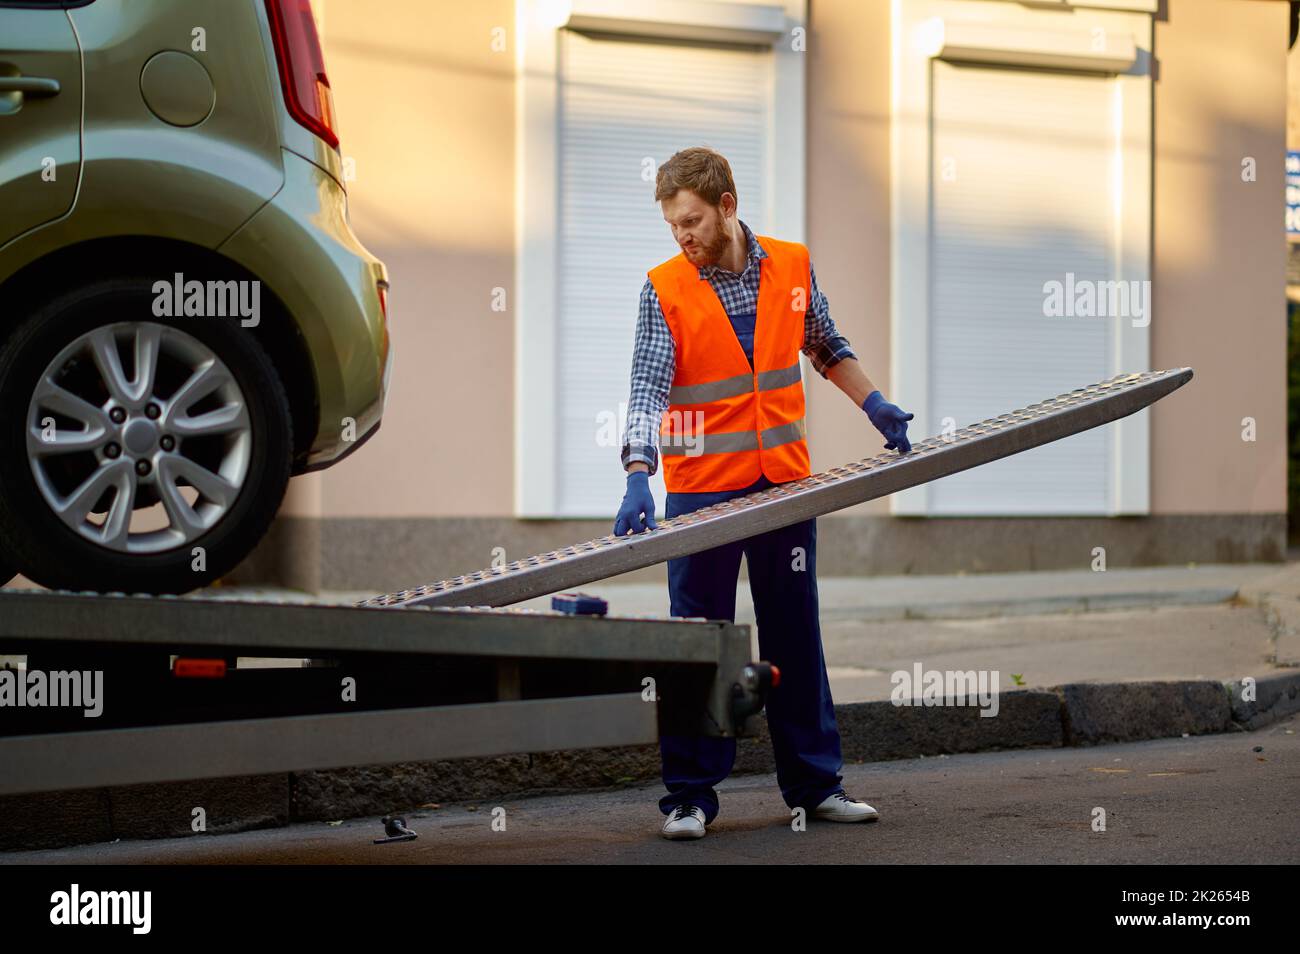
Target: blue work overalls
[800,713]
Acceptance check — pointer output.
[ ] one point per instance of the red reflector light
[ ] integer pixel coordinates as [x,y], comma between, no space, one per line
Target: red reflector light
[199,668]
[302,67]
[776,677]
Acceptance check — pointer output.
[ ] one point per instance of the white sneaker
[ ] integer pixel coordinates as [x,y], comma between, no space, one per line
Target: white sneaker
[686,821]
[839,807]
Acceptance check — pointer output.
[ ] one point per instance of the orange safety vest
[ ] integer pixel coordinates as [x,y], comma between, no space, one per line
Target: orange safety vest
[727,423]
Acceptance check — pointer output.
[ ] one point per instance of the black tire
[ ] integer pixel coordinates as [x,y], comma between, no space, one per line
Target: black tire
[49,551]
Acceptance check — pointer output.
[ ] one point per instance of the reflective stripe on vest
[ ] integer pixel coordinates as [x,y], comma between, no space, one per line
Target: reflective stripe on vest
[691,444]
[730,387]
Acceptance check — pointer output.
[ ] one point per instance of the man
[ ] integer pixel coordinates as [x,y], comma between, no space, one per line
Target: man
[718,338]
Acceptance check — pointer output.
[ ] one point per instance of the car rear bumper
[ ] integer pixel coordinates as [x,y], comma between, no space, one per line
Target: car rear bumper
[301,246]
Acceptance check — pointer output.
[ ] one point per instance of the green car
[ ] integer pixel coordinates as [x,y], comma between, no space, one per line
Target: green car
[186,318]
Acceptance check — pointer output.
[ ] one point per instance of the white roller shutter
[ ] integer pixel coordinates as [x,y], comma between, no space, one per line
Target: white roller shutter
[1025,184]
[625,105]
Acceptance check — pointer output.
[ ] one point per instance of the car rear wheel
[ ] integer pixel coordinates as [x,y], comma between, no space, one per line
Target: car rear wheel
[151,452]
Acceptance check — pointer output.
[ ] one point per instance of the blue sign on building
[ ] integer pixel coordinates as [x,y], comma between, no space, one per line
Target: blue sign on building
[1292,192]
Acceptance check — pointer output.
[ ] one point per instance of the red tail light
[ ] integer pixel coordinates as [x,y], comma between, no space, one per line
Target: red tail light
[302,67]
[199,668]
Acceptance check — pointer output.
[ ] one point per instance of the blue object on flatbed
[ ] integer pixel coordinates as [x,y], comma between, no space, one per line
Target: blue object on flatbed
[579,604]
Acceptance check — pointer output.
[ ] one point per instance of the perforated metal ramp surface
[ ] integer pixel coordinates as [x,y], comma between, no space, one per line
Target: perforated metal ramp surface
[788,503]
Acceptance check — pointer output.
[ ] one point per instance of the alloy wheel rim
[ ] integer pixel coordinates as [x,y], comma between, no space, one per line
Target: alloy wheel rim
[174,432]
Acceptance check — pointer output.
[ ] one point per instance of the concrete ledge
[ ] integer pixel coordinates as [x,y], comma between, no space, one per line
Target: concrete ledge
[882,731]
[1130,711]
[57,819]
[1276,697]
[352,792]
[1069,715]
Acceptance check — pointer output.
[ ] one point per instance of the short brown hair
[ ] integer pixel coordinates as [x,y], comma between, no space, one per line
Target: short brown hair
[700,169]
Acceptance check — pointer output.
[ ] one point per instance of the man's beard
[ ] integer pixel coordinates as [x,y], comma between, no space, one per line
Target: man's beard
[712,253]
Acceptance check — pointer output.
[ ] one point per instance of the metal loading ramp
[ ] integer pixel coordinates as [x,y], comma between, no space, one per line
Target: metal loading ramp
[813,496]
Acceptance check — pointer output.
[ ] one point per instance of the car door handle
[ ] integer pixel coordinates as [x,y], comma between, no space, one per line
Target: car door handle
[30,85]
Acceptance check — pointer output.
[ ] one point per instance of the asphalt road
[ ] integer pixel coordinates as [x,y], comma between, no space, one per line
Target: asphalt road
[1200,800]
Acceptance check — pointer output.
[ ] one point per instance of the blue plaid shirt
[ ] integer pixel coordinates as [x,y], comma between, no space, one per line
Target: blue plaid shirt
[654,358]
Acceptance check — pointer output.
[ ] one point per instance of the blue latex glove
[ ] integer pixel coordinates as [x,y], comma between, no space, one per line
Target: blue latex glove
[890,420]
[636,501]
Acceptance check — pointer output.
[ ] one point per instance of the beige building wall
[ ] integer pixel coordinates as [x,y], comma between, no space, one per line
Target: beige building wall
[1293,98]
[426,109]
[848,212]
[1219,263]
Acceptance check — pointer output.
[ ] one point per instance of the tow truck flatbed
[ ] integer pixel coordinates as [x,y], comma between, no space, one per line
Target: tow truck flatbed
[424,684]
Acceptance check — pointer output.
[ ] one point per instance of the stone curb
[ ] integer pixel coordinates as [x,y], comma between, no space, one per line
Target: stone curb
[1071,715]
[1031,606]
[1276,697]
